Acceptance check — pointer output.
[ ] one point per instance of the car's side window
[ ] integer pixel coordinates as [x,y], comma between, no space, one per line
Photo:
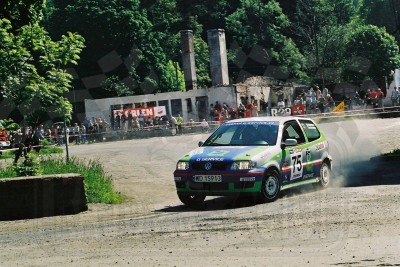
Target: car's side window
[292,130]
[310,129]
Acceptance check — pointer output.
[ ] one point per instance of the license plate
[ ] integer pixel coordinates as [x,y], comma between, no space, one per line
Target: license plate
[207,178]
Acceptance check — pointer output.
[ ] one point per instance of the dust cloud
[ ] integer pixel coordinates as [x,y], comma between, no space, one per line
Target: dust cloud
[352,144]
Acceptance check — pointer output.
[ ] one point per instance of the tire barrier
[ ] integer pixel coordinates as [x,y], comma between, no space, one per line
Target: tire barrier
[41,196]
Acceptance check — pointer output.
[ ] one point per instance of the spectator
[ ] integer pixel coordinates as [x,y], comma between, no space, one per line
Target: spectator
[173,122]
[318,93]
[179,122]
[281,103]
[241,110]
[130,121]
[82,133]
[254,111]
[380,96]
[218,107]
[325,93]
[212,112]
[204,125]
[232,114]
[395,97]
[90,131]
[374,98]
[141,119]
[76,133]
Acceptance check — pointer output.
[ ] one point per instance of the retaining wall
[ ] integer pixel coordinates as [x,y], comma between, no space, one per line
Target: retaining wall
[41,196]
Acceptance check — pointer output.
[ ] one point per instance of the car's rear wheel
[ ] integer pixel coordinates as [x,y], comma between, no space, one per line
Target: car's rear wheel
[324,175]
[271,186]
[192,199]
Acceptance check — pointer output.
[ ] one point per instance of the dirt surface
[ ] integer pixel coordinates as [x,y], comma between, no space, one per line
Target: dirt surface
[352,224]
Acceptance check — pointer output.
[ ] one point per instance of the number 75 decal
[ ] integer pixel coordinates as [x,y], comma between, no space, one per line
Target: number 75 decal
[297,165]
[296,161]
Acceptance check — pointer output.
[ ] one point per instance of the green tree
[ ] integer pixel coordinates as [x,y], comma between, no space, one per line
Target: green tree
[32,73]
[382,13]
[175,76]
[255,23]
[122,27]
[320,26]
[371,53]
[202,62]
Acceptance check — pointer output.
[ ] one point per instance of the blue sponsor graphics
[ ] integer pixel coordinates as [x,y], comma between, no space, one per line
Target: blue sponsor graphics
[220,153]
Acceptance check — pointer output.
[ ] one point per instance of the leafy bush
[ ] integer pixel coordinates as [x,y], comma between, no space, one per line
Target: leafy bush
[29,167]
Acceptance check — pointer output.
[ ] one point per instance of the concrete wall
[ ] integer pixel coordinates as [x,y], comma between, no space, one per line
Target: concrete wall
[41,196]
[100,108]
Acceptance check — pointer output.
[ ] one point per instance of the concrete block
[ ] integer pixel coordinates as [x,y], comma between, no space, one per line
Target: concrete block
[41,196]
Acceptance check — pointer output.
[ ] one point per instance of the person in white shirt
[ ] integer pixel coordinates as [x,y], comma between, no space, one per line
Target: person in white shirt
[204,125]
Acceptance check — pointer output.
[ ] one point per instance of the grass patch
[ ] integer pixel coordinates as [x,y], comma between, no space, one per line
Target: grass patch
[8,172]
[98,185]
[7,154]
[47,150]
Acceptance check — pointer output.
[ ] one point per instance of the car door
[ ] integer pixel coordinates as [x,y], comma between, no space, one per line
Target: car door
[314,151]
[293,164]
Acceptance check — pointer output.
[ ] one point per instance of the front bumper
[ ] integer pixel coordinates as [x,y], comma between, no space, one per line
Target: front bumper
[233,182]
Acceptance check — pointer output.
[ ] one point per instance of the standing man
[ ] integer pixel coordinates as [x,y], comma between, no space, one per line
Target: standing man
[395,97]
[380,96]
[141,119]
[179,122]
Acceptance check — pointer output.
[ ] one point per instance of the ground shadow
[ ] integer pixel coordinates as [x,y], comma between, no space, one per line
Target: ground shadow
[236,202]
[376,171]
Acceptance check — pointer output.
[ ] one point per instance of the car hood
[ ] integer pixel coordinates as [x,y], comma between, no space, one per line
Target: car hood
[231,153]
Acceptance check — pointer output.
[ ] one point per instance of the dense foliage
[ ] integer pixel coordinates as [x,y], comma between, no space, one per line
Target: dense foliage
[32,65]
[133,46]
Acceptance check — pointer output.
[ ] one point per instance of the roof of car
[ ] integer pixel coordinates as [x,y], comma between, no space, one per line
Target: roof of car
[270,118]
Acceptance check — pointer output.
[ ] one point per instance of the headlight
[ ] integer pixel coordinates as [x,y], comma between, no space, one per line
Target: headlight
[243,165]
[182,165]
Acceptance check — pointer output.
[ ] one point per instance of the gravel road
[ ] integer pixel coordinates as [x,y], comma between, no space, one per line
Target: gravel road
[354,223]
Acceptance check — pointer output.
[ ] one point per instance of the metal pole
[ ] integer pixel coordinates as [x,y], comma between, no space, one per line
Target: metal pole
[65,137]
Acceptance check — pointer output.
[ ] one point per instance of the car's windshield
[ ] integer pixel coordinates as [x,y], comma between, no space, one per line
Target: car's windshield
[244,134]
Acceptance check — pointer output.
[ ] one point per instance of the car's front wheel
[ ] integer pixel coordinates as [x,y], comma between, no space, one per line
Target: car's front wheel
[271,186]
[192,200]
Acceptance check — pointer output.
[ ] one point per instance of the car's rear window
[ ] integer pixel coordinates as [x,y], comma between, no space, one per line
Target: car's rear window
[311,130]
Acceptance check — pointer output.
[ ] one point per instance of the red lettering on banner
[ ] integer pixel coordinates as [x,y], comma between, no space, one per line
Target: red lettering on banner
[147,112]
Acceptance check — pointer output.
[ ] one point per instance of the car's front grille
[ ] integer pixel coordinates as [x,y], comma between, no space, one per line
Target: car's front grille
[209,186]
[215,166]
[242,185]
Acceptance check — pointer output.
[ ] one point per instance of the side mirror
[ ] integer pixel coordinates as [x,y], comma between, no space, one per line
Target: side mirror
[289,142]
[201,143]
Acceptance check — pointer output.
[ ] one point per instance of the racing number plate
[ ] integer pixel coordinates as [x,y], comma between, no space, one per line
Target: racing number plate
[207,178]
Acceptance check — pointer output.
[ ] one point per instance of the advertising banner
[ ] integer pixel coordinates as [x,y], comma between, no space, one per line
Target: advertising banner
[147,112]
[298,110]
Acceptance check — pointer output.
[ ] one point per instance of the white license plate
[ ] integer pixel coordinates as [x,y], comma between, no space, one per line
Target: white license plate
[208,178]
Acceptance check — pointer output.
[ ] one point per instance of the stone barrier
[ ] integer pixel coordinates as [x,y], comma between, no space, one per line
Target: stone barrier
[42,196]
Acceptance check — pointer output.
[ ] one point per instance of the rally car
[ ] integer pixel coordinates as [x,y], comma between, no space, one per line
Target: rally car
[261,156]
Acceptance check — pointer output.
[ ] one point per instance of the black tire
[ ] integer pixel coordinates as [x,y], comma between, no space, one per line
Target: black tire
[192,200]
[271,186]
[325,175]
